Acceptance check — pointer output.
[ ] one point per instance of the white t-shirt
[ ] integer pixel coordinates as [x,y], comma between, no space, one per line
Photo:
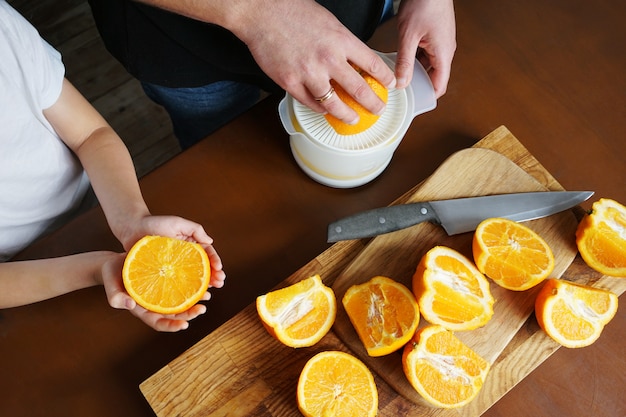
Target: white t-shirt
[41,180]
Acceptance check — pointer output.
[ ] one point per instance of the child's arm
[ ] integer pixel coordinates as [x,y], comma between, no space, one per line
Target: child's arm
[27,282]
[112,174]
[105,159]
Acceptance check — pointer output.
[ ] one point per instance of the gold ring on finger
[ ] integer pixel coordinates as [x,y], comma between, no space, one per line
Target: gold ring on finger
[325,96]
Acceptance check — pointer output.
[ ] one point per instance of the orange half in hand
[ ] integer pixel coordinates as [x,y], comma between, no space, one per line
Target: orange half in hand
[166,275]
[384,314]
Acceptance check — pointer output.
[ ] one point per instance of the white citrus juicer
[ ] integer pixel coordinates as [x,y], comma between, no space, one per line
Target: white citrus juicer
[345,161]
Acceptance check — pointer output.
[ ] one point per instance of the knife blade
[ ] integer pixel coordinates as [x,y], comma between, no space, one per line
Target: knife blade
[457,215]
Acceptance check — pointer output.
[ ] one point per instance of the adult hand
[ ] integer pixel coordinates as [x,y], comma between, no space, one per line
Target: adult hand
[179,228]
[430,26]
[302,46]
[119,298]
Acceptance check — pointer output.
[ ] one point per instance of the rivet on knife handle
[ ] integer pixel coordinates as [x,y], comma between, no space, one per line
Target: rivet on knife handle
[378,221]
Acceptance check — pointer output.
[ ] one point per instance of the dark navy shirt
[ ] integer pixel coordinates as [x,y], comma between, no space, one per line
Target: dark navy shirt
[171,50]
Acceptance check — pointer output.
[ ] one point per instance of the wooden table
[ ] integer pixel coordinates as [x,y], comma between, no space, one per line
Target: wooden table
[552,72]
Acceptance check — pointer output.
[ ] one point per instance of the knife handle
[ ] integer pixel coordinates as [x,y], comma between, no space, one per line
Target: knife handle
[381,220]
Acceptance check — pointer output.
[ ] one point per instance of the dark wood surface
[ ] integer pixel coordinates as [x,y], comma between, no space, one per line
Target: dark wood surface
[552,72]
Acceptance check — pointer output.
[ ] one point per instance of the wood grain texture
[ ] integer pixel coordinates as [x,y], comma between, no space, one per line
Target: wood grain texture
[239,370]
[467,173]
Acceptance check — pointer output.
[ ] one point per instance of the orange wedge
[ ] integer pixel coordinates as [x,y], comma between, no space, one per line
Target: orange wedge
[166,275]
[336,384]
[601,238]
[443,370]
[366,118]
[511,254]
[573,314]
[384,314]
[298,315]
[450,291]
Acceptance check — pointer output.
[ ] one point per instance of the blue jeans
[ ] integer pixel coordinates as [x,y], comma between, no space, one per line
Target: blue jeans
[387,11]
[197,112]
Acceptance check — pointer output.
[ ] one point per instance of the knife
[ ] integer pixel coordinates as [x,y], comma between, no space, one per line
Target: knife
[457,215]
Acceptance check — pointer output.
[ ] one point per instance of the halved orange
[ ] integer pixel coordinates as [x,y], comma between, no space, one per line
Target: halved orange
[366,118]
[442,369]
[166,275]
[450,291]
[384,314]
[511,254]
[573,314]
[298,315]
[336,384]
[601,238]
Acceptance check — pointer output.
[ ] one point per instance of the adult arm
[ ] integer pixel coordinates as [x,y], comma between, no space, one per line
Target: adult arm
[300,45]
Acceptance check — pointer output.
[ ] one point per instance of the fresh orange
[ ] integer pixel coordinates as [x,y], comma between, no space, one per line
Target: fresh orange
[573,314]
[384,314]
[166,275]
[298,315]
[336,384]
[450,291]
[511,254]
[366,118]
[601,238]
[443,370]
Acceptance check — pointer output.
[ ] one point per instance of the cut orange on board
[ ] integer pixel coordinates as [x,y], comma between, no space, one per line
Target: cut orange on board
[336,384]
[166,275]
[384,314]
[511,254]
[298,315]
[601,238]
[573,314]
[443,370]
[450,291]
[366,118]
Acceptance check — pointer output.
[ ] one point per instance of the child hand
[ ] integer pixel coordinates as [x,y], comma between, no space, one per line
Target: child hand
[119,298]
[179,228]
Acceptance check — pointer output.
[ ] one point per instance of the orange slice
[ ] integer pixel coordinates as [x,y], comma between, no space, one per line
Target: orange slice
[166,275]
[443,370]
[366,118]
[601,238]
[573,314]
[384,314]
[337,384]
[298,315]
[511,254]
[450,291]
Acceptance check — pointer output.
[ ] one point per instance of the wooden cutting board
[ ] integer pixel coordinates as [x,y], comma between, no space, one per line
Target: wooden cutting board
[239,370]
[467,173]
